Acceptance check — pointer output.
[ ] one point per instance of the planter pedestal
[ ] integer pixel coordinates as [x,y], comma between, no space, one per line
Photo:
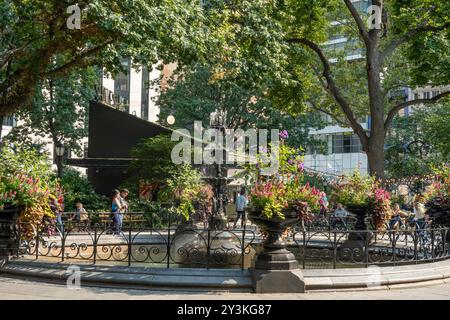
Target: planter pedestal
[355,246]
[360,212]
[278,281]
[276,268]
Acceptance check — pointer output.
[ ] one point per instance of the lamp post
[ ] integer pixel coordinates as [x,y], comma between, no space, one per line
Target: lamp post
[218,220]
[59,150]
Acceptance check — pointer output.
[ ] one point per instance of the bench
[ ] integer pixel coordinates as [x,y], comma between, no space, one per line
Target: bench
[105,218]
[130,217]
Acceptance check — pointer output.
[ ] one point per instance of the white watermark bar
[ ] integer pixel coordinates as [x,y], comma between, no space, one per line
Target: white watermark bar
[228,146]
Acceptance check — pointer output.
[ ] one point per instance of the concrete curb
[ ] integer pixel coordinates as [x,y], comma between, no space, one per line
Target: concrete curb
[374,278]
[189,279]
[351,279]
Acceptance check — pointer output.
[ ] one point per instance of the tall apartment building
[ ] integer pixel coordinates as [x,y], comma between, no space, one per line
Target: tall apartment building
[132,90]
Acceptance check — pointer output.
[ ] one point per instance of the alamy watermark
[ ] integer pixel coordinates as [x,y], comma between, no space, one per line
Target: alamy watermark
[74,20]
[228,146]
[374,279]
[74,278]
[374,21]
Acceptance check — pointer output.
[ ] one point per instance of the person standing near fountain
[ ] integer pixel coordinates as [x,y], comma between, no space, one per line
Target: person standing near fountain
[116,208]
[241,203]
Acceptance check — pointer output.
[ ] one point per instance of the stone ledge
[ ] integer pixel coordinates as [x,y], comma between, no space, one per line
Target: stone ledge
[134,270]
[206,281]
[379,277]
[231,280]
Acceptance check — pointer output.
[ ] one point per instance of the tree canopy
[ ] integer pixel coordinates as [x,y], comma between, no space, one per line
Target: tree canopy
[58,111]
[419,142]
[193,96]
[34,32]
[287,44]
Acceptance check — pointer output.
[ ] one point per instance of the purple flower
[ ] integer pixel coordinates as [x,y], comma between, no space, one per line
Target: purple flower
[301,166]
[284,134]
[290,161]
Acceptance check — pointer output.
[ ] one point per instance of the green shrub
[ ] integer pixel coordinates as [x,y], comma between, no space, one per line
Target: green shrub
[155,213]
[78,189]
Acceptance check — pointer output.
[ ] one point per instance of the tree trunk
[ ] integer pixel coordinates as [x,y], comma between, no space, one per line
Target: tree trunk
[375,148]
[375,157]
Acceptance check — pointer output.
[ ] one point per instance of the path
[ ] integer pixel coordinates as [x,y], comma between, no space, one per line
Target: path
[22,289]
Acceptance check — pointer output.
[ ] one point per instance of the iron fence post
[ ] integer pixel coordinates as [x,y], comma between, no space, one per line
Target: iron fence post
[366,255]
[168,243]
[304,248]
[129,242]
[63,244]
[208,249]
[394,247]
[432,245]
[334,249]
[19,239]
[444,242]
[415,237]
[37,243]
[243,248]
[95,243]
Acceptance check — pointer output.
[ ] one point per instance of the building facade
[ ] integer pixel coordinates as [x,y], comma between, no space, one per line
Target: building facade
[134,90]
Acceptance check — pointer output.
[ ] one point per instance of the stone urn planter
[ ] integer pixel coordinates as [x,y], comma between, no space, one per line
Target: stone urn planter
[275,256]
[361,212]
[8,239]
[276,268]
[439,213]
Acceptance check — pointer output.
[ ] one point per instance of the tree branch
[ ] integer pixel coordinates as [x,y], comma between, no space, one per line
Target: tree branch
[405,104]
[396,42]
[7,56]
[359,22]
[315,107]
[333,90]
[77,60]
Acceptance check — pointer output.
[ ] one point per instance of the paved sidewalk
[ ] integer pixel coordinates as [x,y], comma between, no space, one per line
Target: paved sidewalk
[22,289]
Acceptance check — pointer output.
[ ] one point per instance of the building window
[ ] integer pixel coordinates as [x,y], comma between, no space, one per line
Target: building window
[8,121]
[346,143]
[361,6]
[427,95]
[435,93]
[122,85]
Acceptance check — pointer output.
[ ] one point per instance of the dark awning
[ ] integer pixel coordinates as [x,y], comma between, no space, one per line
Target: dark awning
[99,162]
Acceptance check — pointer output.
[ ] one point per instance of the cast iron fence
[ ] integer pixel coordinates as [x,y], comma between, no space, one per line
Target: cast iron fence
[320,244]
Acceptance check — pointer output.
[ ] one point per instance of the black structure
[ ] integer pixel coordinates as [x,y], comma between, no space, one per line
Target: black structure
[112,135]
